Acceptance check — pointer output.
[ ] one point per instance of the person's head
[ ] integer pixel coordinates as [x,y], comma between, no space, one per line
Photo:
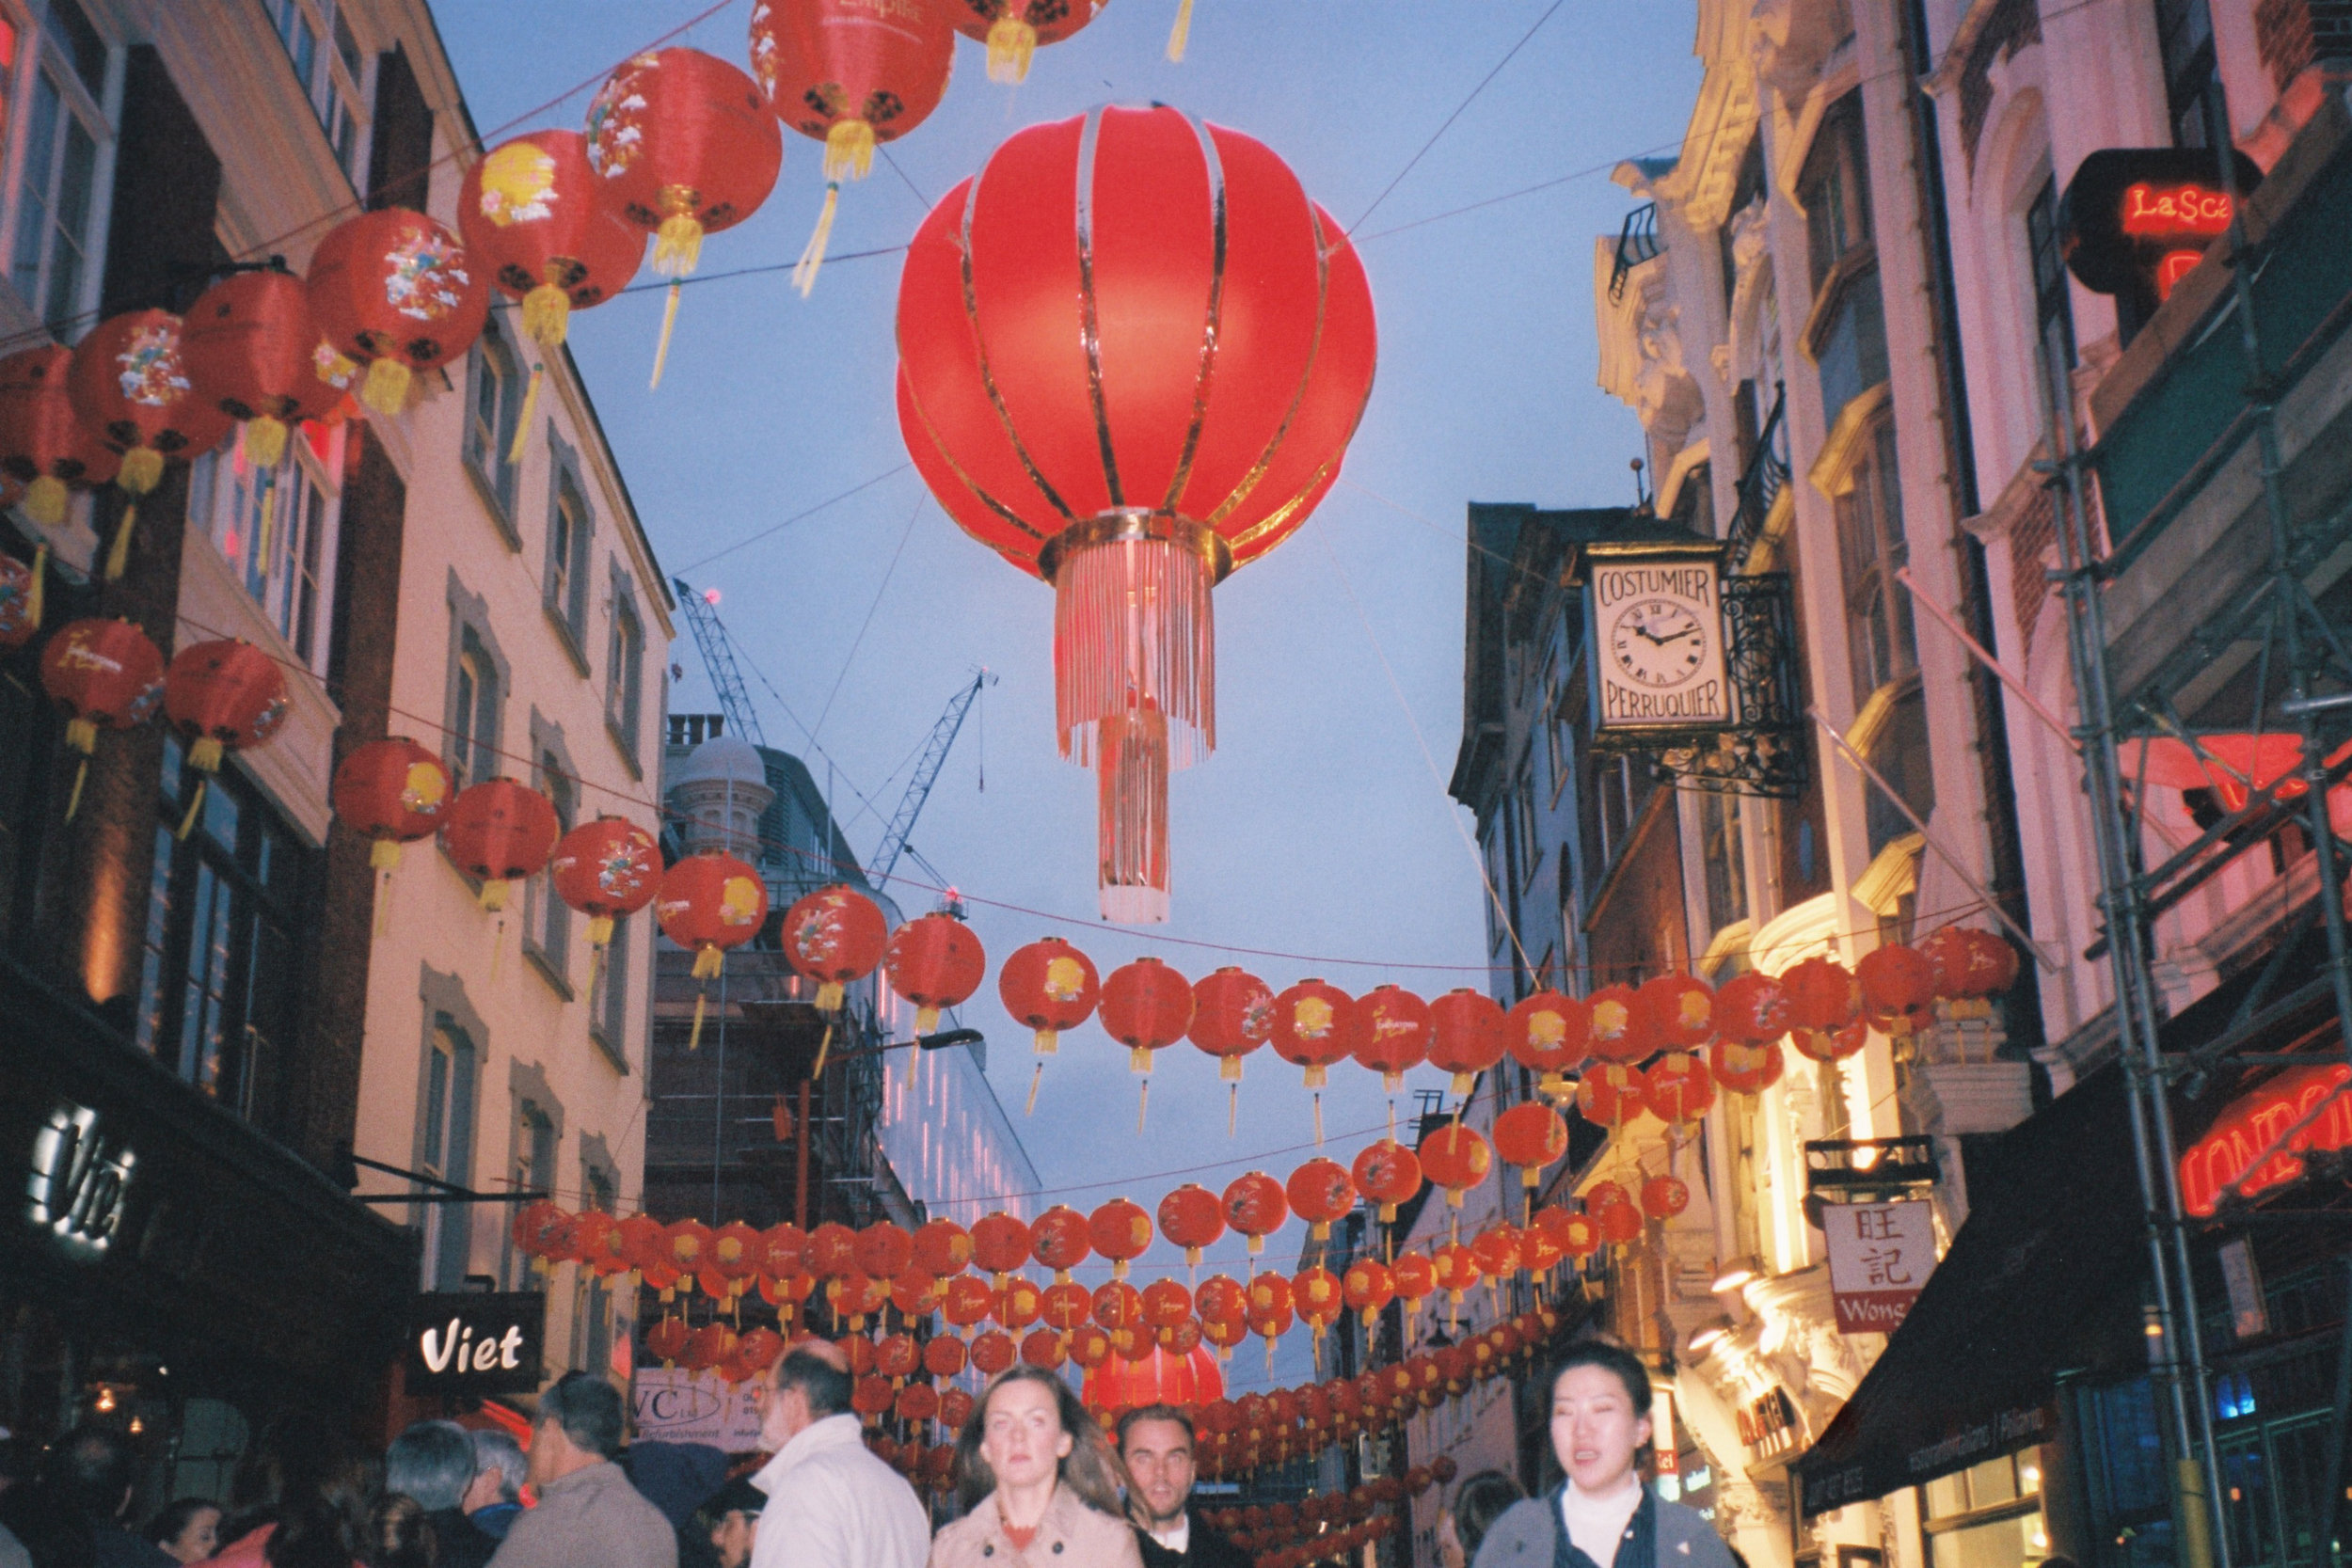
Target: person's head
[1030,1430]
[801,1389]
[734,1515]
[95,1469]
[1155,1445]
[324,1524]
[1477,1504]
[432,1462]
[1600,1399]
[399,1535]
[291,1457]
[499,1470]
[580,1424]
[187,1530]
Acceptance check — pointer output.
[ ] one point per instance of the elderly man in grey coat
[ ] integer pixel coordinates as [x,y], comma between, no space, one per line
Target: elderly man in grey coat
[433,1462]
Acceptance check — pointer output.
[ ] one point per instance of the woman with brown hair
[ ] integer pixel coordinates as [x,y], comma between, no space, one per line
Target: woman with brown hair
[1041,1484]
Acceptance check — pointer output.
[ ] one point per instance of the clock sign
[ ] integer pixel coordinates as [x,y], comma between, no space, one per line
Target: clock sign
[1657,627]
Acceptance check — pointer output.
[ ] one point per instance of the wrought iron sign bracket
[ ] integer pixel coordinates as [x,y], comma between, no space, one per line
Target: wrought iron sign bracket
[1763,751]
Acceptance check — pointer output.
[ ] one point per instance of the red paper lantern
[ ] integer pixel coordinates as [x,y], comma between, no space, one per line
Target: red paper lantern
[1066,1306]
[250,346]
[1320,1192]
[1745,1069]
[965,1301]
[1677,1012]
[917,1403]
[43,441]
[1159,1377]
[1392,1030]
[1232,1014]
[1678,1089]
[1822,994]
[1315,1025]
[1012,29]
[1191,1217]
[1050,985]
[1609,1094]
[1540,1248]
[605,869]
[1467,1034]
[1057,1240]
[541,1230]
[1456,1159]
[834,936]
[1269,1296]
[735,1253]
[685,146]
[1548,1033]
[1057,269]
[1018,1304]
[1898,984]
[1146,1006]
[1317,1293]
[1664,1197]
[534,219]
[500,832]
[686,1245]
[1617,1035]
[1530,1136]
[1368,1286]
[596,1243]
[1456,1268]
[709,902]
[884,1249]
[129,385]
[872,1397]
[1989,966]
[665,1340]
[391,792]
[222,695]
[935,963]
[831,1251]
[1831,1045]
[1751,1009]
[1221,1299]
[1042,1348]
[1090,1346]
[783,1250]
[1388,1174]
[1119,1307]
[942,1248]
[1000,1243]
[943,1356]
[1497,1252]
[396,291]
[1165,1304]
[1619,1222]
[1120,1230]
[1256,1206]
[1579,1236]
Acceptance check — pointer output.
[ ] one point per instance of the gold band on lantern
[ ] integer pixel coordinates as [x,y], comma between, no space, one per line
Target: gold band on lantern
[1137,523]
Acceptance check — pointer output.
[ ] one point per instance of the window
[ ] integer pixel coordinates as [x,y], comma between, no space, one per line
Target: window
[2053,311]
[535,1172]
[546,919]
[493,404]
[2185,38]
[568,530]
[1834,189]
[1870,549]
[1987,1515]
[56,192]
[276,528]
[624,672]
[1721,852]
[222,955]
[473,728]
[447,1155]
[332,79]
[608,994]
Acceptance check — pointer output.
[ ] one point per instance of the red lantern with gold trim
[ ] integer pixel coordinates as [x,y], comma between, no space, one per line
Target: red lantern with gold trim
[395,291]
[1548,1033]
[130,384]
[1256,1206]
[1751,1009]
[1165,1304]
[1617,1032]
[1678,1088]
[884,1249]
[709,902]
[535,220]
[1388,1174]
[1898,985]
[1416,1276]
[1610,1094]
[965,1301]
[1018,1304]
[685,146]
[1065,1306]
[1368,1286]
[1001,1243]
[945,1355]
[1050,985]
[1221,1298]
[834,936]
[250,347]
[1745,1069]
[935,963]
[1831,1045]
[1619,1222]
[1320,1192]
[1822,994]
[942,1248]
[1677,1012]
[1530,1135]
[1315,1025]
[1456,1158]
[1012,29]
[1496,1250]
[1664,1197]
[1467,1032]
[832,1250]
[1120,1230]
[1146,1006]
[221,696]
[1191,1217]
[605,869]
[500,832]
[1057,1240]
[1392,1030]
[44,442]
[1232,1014]
[391,792]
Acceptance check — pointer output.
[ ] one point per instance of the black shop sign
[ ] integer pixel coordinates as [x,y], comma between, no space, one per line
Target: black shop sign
[2135,220]
[475,1342]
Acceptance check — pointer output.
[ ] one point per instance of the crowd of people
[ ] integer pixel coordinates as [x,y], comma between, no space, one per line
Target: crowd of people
[1041,1484]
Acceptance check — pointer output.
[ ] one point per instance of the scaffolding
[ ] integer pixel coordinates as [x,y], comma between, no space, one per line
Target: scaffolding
[2273,631]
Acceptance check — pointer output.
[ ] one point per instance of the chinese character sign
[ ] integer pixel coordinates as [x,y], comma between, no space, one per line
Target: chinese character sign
[1879,1255]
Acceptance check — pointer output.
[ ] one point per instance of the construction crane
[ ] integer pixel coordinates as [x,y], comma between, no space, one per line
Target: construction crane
[894,839]
[702,617]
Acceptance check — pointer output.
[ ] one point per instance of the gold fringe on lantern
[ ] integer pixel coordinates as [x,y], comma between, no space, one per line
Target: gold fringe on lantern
[36,596]
[73,801]
[493,895]
[265,441]
[207,753]
[1011,42]
[384,854]
[813,254]
[662,349]
[926,1021]
[1048,1042]
[386,389]
[44,502]
[195,807]
[678,244]
[1181,34]
[546,314]
[599,930]
[694,1041]
[849,151]
[142,470]
[707,963]
[830,996]
[823,1046]
[530,414]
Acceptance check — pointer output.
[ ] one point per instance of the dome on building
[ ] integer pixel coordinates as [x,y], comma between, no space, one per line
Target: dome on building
[721,760]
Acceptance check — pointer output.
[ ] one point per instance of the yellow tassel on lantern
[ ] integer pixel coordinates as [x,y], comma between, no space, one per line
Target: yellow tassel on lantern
[599,930]
[709,962]
[386,388]
[73,801]
[813,254]
[196,806]
[35,594]
[529,413]
[206,754]
[823,1045]
[926,1021]
[849,151]
[265,441]
[1181,33]
[493,895]
[661,350]
[1011,42]
[694,1039]
[678,244]
[546,314]
[384,854]
[44,502]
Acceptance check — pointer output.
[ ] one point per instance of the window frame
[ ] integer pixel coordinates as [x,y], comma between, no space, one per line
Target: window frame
[547,926]
[563,576]
[334,82]
[96,114]
[496,479]
[2055,349]
[624,670]
[447,1242]
[295,592]
[608,996]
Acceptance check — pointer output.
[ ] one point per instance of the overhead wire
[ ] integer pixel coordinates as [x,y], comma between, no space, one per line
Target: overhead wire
[863,626]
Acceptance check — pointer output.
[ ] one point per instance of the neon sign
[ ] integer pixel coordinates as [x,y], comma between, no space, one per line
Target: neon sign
[2229,1154]
[2164,211]
[80,1176]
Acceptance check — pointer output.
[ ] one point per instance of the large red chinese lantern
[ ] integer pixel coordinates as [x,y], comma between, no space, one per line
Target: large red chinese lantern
[1466,1034]
[1132,353]
[129,385]
[1824,1005]
[935,963]
[835,936]
[1255,1205]
[500,832]
[1000,1244]
[1388,1174]
[1618,1035]
[1146,1006]
[1232,1014]
[685,146]
[395,291]
[1678,1089]
[221,696]
[1898,984]
[1751,1009]
[1678,1011]
[942,1248]
[1058,1241]
[1548,1033]
[709,902]
[1530,1136]
[1456,1159]
[250,347]
[534,219]
[1315,1025]
[1741,1068]
[1191,1217]
[43,442]
[605,869]
[851,74]
[1392,1032]
[1050,985]
[391,792]
[1120,1230]
[1320,1192]
[1012,29]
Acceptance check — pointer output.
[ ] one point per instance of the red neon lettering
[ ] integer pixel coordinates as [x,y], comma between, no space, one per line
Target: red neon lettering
[2170,210]
[2226,1154]
[2171,267]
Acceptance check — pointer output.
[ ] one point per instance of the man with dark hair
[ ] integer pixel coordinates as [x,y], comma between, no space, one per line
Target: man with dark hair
[1155,1441]
[1600,1516]
[433,1463]
[589,1515]
[830,1501]
[97,1471]
[734,1518]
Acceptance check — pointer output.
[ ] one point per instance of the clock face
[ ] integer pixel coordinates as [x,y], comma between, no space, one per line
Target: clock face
[1659,642]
